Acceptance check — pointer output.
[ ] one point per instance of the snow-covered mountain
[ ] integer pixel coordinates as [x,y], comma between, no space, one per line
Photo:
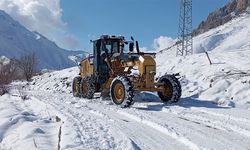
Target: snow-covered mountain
[16,40]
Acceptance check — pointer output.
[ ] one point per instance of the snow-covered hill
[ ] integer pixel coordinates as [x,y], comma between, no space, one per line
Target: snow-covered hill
[232,36]
[16,40]
[227,80]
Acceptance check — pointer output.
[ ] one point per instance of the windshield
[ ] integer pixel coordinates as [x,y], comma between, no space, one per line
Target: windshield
[111,46]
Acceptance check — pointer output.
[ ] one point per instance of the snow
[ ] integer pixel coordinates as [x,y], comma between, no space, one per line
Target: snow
[248,9]
[233,36]
[193,123]
[213,113]
[4,60]
[38,37]
[21,128]
[226,82]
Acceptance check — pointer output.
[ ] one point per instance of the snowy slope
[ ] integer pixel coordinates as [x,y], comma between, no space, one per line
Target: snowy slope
[233,36]
[16,40]
[227,81]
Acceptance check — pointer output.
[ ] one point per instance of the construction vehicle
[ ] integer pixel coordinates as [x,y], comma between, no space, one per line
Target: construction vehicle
[119,74]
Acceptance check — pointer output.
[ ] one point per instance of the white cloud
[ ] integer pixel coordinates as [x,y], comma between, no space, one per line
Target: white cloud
[143,49]
[44,16]
[163,42]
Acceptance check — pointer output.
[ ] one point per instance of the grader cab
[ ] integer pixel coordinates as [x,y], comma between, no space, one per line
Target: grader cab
[118,74]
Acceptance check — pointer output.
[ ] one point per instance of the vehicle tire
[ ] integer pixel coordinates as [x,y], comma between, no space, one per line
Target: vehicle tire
[76,87]
[122,92]
[172,89]
[87,88]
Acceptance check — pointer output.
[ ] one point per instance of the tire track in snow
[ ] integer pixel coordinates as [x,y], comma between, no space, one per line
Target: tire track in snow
[145,125]
[86,132]
[77,125]
[194,130]
[85,118]
[228,117]
[225,124]
[111,115]
[98,110]
[168,132]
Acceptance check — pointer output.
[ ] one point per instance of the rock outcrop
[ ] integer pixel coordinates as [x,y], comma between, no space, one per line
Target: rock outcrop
[222,15]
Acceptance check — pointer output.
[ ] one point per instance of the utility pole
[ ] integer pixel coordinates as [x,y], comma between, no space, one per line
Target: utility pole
[185,39]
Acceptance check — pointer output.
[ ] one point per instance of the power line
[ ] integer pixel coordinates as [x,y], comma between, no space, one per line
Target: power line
[168,48]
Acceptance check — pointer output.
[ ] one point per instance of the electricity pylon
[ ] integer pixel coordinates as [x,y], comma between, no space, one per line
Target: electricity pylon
[185,39]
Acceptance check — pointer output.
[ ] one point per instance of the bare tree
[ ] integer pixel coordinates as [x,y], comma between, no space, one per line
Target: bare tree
[28,64]
[8,73]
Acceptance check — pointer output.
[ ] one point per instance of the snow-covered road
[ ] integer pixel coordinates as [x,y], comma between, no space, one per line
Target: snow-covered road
[190,124]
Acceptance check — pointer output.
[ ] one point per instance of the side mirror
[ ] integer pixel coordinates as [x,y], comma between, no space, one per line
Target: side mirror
[131,47]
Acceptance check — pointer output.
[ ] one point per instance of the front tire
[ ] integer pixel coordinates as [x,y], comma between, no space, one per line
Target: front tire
[87,88]
[76,87]
[172,89]
[122,92]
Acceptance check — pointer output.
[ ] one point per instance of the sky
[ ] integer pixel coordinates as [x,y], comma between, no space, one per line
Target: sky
[145,20]
[73,23]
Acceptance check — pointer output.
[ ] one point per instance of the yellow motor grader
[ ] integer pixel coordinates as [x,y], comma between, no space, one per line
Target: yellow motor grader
[119,74]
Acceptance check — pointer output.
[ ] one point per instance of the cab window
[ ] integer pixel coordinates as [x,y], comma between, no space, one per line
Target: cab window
[111,46]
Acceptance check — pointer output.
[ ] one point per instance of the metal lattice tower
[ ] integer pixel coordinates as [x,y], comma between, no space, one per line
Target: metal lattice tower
[185,39]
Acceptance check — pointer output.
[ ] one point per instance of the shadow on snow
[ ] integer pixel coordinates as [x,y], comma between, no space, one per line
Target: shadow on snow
[155,104]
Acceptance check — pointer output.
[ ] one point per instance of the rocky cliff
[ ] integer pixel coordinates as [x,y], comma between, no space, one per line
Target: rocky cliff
[223,15]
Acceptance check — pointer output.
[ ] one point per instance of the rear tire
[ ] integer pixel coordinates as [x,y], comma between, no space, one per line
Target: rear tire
[76,87]
[172,89]
[87,88]
[122,92]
